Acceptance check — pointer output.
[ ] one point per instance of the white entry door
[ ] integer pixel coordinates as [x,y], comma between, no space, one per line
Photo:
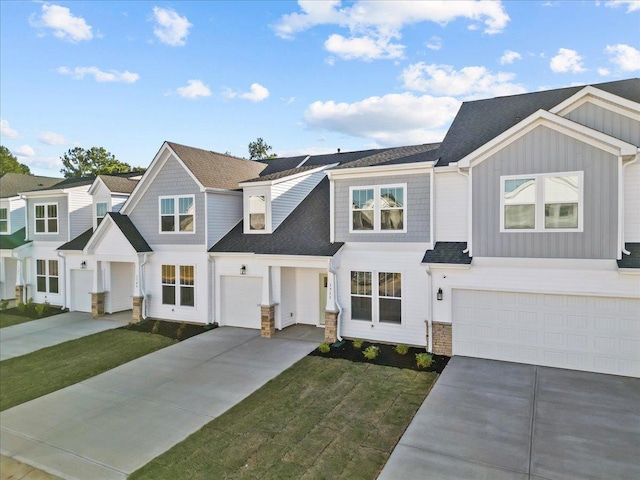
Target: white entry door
[81,283]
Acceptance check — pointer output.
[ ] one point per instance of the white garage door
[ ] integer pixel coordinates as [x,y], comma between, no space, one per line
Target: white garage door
[81,282]
[241,297]
[597,334]
[121,292]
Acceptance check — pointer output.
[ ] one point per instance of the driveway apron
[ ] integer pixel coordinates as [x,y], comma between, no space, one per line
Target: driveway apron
[497,420]
[110,425]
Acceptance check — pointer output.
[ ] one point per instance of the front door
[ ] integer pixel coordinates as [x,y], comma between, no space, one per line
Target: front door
[323,296]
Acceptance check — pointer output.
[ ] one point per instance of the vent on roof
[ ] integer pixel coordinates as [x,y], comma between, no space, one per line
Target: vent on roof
[338,150]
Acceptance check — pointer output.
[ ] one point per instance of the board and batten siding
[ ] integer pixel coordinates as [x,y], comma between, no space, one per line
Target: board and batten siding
[63,219]
[223,213]
[172,179]
[80,210]
[417,209]
[632,203]
[286,196]
[544,150]
[451,206]
[607,121]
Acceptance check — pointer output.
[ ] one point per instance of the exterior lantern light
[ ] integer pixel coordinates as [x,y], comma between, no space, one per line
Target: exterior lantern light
[243,270]
[83,265]
[439,294]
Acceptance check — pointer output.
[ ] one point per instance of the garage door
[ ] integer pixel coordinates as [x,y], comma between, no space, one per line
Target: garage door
[81,282]
[597,334]
[241,297]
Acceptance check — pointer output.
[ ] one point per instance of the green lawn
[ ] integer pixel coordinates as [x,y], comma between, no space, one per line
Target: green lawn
[44,371]
[322,418]
[8,319]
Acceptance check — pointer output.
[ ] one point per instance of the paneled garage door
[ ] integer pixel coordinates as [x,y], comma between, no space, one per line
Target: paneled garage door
[81,282]
[597,334]
[241,297]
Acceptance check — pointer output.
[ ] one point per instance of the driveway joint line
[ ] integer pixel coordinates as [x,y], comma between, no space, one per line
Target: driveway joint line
[533,416]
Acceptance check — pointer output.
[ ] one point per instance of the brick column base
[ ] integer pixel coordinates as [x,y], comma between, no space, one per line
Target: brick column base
[137,309]
[441,338]
[97,304]
[330,327]
[268,320]
[19,293]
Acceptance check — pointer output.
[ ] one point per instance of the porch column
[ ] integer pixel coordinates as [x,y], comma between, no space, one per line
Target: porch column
[97,292]
[138,295]
[331,311]
[268,308]
[19,283]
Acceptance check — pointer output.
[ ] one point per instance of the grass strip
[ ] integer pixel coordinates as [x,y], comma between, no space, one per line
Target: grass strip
[44,371]
[321,418]
[8,319]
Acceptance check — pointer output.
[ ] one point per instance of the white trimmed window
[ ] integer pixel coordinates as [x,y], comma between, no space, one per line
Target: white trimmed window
[550,202]
[46,216]
[101,211]
[378,209]
[257,212]
[182,292]
[177,214]
[47,276]
[4,220]
[379,302]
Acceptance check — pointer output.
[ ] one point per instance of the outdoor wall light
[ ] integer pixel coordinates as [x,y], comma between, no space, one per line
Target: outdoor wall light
[83,265]
[243,270]
[439,294]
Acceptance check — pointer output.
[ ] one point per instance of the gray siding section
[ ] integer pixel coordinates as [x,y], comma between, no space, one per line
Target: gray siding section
[223,212]
[17,218]
[607,122]
[286,196]
[546,151]
[417,213]
[63,219]
[172,179]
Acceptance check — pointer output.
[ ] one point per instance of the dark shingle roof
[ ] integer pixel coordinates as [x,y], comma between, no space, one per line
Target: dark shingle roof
[283,173]
[416,153]
[78,243]
[304,232]
[16,239]
[119,184]
[480,121]
[80,181]
[448,252]
[130,232]
[216,170]
[633,260]
[13,183]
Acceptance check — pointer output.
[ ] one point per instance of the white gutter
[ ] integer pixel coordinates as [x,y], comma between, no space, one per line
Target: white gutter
[335,298]
[469,213]
[64,284]
[621,209]
[429,320]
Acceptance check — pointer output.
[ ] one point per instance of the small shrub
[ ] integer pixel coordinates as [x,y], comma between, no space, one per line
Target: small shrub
[324,347]
[357,343]
[424,359]
[180,330]
[402,349]
[40,309]
[4,304]
[371,352]
[156,327]
[22,308]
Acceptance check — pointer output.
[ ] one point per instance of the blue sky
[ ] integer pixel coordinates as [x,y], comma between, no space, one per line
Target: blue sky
[308,77]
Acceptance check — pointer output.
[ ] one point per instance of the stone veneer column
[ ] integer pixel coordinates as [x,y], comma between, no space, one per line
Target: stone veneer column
[97,304]
[137,309]
[441,338]
[268,320]
[330,327]
[19,293]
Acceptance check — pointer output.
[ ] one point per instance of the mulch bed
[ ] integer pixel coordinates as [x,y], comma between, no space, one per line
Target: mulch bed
[175,330]
[387,356]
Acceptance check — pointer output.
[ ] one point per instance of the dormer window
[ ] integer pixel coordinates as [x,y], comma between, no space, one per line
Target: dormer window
[177,214]
[257,212]
[101,211]
[4,220]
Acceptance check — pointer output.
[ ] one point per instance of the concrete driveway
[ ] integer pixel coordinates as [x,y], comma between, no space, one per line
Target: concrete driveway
[112,424]
[496,420]
[31,336]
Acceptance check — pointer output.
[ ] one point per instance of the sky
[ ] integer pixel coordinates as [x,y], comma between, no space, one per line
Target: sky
[308,77]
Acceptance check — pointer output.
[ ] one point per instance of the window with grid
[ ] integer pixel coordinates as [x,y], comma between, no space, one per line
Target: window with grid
[4,220]
[47,276]
[180,219]
[390,297]
[168,284]
[46,216]
[362,209]
[182,291]
[187,286]
[391,208]
[257,212]
[361,296]
[101,211]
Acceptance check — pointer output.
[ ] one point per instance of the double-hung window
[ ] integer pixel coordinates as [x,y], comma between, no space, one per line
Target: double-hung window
[177,214]
[549,202]
[4,220]
[257,212]
[378,208]
[101,211]
[46,216]
[47,276]
[178,291]
[379,302]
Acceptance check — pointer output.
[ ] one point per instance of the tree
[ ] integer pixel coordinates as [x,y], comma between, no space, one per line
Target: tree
[9,163]
[79,162]
[259,150]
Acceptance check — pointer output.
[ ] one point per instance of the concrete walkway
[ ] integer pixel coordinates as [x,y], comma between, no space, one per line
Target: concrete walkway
[505,421]
[31,336]
[112,424]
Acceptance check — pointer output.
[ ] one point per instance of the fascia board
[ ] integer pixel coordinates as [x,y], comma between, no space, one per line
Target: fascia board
[379,170]
[601,98]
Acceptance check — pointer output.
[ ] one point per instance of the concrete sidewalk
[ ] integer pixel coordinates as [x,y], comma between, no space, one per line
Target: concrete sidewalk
[112,424]
[31,336]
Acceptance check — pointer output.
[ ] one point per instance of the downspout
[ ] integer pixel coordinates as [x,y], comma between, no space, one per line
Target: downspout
[624,166]
[212,302]
[142,279]
[429,320]
[64,284]
[335,298]
[466,250]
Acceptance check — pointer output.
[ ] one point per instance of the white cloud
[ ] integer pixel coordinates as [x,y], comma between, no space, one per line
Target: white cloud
[467,83]
[64,24]
[52,164]
[603,72]
[393,119]
[170,28]
[6,130]
[632,5]
[364,48]
[256,93]
[194,89]
[509,57]
[99,76]
[434,43]
[624,56]
[567,60]
[50,138]
[24,151]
